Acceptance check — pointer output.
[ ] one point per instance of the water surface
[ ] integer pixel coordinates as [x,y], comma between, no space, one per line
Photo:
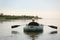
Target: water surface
[7,33]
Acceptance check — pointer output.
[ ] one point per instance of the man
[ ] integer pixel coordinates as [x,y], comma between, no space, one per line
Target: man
[33,23]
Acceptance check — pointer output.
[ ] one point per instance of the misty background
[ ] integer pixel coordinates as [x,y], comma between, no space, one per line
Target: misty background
[41,8]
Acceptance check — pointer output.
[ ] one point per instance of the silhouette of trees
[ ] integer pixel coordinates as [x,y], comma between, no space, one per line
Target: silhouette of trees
[1,14]
[16,17]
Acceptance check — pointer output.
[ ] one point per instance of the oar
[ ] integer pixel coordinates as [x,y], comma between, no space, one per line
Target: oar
[14,26]
[52,26]
[55,27]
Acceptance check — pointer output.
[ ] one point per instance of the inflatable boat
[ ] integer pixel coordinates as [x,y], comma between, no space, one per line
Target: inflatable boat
[28,28]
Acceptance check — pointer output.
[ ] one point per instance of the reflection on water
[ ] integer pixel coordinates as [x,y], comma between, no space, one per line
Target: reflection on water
[14,32]
[7,33]
[33,35]
[1,21]
[53,32]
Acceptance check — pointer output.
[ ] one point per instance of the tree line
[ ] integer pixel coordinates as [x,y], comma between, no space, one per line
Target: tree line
[16,17]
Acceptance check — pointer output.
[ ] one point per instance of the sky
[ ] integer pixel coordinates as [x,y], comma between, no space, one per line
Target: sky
[41,8]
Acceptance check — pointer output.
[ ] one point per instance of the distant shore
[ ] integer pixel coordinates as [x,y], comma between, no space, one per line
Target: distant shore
[9,17]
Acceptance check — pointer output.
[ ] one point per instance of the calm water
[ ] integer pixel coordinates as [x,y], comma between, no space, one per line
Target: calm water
[7,33]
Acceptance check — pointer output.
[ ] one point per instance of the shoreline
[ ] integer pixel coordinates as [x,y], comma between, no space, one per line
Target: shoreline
[9,17]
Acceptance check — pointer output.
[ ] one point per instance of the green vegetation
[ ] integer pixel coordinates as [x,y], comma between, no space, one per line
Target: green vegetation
[17,17]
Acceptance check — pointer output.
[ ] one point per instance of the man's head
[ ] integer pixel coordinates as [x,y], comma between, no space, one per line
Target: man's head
[33,19]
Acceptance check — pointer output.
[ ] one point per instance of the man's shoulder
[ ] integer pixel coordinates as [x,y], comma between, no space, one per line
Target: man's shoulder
[33,23]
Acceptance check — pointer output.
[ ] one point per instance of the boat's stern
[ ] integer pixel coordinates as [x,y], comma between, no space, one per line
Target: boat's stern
[33,28]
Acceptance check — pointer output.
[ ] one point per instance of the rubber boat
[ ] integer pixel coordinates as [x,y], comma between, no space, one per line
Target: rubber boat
[28,28]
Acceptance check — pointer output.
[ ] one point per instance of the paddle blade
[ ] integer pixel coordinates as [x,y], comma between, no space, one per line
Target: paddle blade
[55,27]
[53,32]
[14,26]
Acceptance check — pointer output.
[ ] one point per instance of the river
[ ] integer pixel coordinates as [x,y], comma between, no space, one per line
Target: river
[8,33]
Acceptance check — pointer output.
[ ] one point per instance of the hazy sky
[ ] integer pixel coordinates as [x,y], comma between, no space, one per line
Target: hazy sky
[43,8]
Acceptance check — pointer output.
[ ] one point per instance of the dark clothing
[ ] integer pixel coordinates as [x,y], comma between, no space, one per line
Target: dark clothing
[33,24]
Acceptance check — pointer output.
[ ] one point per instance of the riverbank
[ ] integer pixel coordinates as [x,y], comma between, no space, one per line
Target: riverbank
[4,17]
[9,17]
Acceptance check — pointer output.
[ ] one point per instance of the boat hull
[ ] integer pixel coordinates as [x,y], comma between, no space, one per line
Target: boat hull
[33,28]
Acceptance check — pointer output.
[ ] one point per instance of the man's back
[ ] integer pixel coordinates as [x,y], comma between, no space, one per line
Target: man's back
[33,24]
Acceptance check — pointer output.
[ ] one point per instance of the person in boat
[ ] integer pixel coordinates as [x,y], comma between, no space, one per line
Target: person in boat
[33,23]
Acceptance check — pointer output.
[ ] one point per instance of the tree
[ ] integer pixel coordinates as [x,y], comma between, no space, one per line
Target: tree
[1,14]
